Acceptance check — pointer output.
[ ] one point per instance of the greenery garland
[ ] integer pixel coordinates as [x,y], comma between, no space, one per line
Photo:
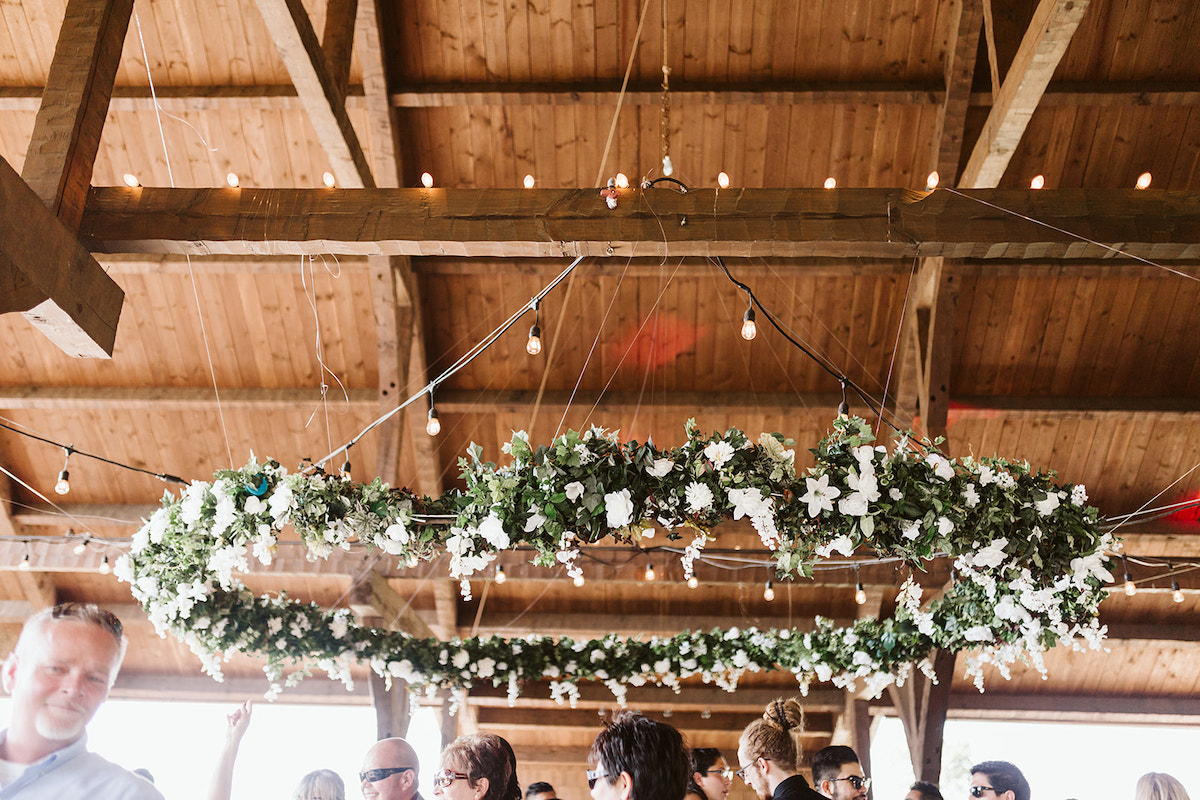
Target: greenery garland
[1028,555]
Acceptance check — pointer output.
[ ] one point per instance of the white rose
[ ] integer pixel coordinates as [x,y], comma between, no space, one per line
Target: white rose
[619,508]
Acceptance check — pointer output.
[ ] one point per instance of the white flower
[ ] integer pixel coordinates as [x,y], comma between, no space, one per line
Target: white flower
[719,453]
[396,532]
[192,505]
[281,503]
[660,467]
[485,667]
[492,530]
[986,475]
[941,466]
[698,496]
[945,526]
[573,490]
[971,495]
[535,521]
[991,556]
[979,633]
[254,505]
[820,495]
[748,503]
[864,484]
[619,508]
[843,544]
[895,494]
[460,659]
[1078,495]
[1046,507]
[853,504]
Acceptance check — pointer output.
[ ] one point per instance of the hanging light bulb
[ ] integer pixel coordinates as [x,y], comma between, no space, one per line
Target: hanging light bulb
[329,180]
[769,591]
[693,582]
[860,594]
[63,486]
[346,469]
[749,328]
[231,179]
[931,181]
[24,565]
[1176,594]
[1130,586]
[529,181]
[844,406]
[1143,181]
[433,426]
[81,546]
[500,576]
[1038,182]
[723,180]
[426,180]
[830,183]
[650,574]
[668,167]
[579,581]
[534,345]
[131,180]
[104,567]
[621,181]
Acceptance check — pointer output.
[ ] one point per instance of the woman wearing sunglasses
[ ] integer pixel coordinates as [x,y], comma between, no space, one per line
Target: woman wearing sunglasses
[711,776]
[477,767]
[769,754]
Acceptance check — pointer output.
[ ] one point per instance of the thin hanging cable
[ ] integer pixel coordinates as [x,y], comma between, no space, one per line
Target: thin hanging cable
[191,274]
[896,346]
[1163,491]
[323,403]
[612,129]
[1035,221]
[75,451]
[467,358]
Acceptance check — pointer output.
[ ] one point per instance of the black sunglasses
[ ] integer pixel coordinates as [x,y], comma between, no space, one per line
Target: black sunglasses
[373,775]
[594,775]
[859,783]
[977,791]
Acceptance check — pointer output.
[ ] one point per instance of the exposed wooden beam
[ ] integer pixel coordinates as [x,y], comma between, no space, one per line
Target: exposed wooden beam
[1054,23]
[994,704]
[338,41]
[382,131]
[375,597]
[696,697]
[966,21]
[588,625]
[922,704]
[172,398]
[48,276]
[561,223]
[202,689]
[928,343]
[316,86]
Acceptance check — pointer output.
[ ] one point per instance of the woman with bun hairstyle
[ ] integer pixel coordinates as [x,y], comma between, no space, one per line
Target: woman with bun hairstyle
[769,754]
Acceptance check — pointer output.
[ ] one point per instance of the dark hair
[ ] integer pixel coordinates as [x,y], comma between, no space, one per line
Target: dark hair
[1004,777]
[539,787]
[652,752]
[702,759]
[773,737]
[486,755]
[929,791]
[827,763]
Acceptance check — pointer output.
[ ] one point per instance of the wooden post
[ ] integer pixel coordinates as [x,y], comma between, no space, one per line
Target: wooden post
[922,705]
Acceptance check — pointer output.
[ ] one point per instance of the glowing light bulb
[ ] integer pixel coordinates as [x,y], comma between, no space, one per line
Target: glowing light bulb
[1143,181]
[329,180]
[529,181]
[534,345]
[622,181]
[500,576]
[693,582]
[80,548]
[346,470]
[860,594]
[104,567]
[749,329]
[232,179]
[769,591]
[650,574]
[723,180]
[1177,595]
[130,180]
[1038,182]
[830,183]
[1130,587]
[668,167]
[932,180]
[24,565]
[434,425]
[64,482]
[579,581]
[426,180]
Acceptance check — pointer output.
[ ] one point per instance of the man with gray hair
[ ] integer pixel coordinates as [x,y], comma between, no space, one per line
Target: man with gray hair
[65,661]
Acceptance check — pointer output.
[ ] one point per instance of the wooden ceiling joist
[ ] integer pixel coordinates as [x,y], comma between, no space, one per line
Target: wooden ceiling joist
[175,398]
[959,70]
[842,223]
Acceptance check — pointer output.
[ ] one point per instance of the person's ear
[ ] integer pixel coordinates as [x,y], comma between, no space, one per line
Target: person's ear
[481,788]
[626,785]
[10,672]
[696,778]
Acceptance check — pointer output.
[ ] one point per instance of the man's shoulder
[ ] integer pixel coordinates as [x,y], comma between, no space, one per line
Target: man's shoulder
[104,778]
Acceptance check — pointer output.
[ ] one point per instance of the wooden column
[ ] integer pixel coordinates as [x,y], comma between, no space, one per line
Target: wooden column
[392,713]
[922,705]
[927,343]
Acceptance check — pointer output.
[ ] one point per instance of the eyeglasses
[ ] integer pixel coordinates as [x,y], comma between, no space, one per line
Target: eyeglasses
[594,775]
[977,791]
[862,783]
[373,775]
[445,777]
[726,773]
[741,773]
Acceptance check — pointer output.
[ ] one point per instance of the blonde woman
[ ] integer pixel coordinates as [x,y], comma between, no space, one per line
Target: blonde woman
[1160,786]
[769,755]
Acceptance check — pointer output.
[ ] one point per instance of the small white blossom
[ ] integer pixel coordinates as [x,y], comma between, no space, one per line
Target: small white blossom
[719,453]
[941,466]
[1078,495]
[971,495]
[820,495]
[698,496]
[618,508]
[660,467]
[1046,507]
[573,490]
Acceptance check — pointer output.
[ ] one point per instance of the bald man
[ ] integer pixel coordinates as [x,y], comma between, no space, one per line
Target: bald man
[390,771]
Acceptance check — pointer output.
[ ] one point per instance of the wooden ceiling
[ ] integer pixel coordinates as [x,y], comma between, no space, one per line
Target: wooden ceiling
[1022,341]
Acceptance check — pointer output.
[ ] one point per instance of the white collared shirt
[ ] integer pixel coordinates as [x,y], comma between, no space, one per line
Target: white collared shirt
[74,773]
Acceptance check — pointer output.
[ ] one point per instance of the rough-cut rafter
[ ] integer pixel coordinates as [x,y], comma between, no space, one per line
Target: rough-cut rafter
[843,223]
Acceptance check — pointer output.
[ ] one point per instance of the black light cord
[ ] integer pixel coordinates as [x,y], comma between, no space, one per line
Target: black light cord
[72,450]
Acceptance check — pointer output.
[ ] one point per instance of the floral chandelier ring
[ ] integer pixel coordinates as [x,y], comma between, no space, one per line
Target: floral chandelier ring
[1028,555]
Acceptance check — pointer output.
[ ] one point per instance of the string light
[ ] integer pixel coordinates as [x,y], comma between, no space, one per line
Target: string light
[830,183]
[1130,586]
[668,167]
[24,565]
[529,181]
[104,567]
[162,476]
[500,576]
[426,180]
[621,181]
[534,345]
[131,180]
[231,179]
[81,547]
[1176,594]
[433,425]
[749,328]
[769,591]
[1143,181]
[63,486]
[932,180]
[579,581]
[650,574]
[346,466]
[329,180]
[693,582]
[844,406]
[1038,182]
[860,594]
[723,180]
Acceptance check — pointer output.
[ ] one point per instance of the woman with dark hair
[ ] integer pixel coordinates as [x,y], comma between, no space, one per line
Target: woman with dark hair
[711,776]
[481,766]
[769,754]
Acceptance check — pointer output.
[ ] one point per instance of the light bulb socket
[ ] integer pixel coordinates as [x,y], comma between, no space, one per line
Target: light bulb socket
[346,470]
